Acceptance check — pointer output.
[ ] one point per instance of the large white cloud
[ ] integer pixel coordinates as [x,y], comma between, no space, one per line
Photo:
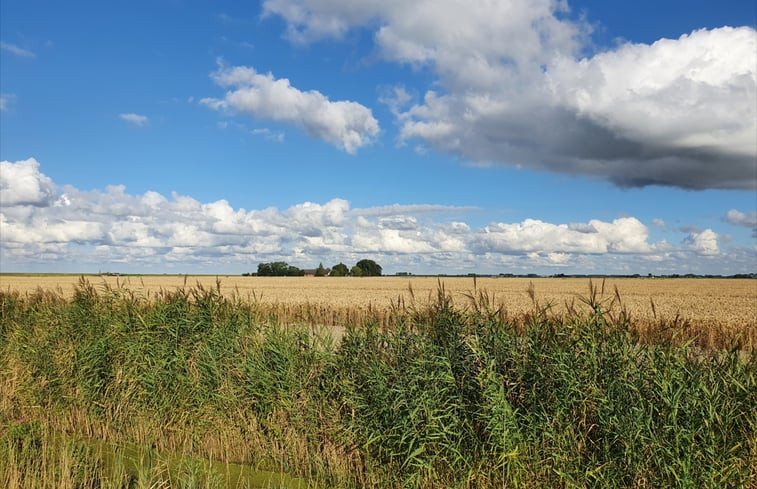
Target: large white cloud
[22,183]
[46,227]
[689,106]
[693,92]
[513,89]
[345,124]
[439,31]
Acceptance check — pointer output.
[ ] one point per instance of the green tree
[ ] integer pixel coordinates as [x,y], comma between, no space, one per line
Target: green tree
[370,268]
[320,271]
[356,271]
[278,269]
[339,270]
[293,271]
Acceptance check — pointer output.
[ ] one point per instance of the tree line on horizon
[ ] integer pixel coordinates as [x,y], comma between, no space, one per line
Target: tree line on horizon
[363,268]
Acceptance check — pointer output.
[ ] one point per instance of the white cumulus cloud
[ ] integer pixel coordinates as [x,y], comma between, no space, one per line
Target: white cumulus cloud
[512,88]
[703,243]
[345,124]
[689,104]
[21,183]
[624,235]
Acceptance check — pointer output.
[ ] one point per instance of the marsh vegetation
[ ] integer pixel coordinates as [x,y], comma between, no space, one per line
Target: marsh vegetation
[191,387]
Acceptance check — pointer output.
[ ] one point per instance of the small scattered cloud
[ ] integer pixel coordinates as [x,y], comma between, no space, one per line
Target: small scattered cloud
[266,133]
[136,119]
[6,99]
[242,44]
[689,229]
[224,18]
[396,99]
[345,124]
[660,223]
[16,50]
[738,218]
[227,19]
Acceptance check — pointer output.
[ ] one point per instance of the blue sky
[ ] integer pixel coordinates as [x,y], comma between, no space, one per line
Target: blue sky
[434,137]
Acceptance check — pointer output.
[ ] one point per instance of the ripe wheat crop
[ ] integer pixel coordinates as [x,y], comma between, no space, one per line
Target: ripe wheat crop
[710,311]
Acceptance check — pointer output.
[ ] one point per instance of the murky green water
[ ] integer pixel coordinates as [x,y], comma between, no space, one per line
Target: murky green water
[131,460]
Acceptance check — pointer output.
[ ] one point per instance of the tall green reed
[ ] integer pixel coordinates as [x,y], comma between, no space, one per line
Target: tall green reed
[444,396]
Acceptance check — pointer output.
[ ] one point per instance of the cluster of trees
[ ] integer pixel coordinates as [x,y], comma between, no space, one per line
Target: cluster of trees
[279,269]
[363,268]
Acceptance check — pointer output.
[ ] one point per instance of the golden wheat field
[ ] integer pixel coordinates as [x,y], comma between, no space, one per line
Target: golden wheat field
[721,302]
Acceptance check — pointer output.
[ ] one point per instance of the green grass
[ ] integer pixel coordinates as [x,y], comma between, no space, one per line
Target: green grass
[446,397]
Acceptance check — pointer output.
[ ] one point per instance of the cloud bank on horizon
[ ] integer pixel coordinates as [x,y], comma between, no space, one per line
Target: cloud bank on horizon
[41,223]
[514,87]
